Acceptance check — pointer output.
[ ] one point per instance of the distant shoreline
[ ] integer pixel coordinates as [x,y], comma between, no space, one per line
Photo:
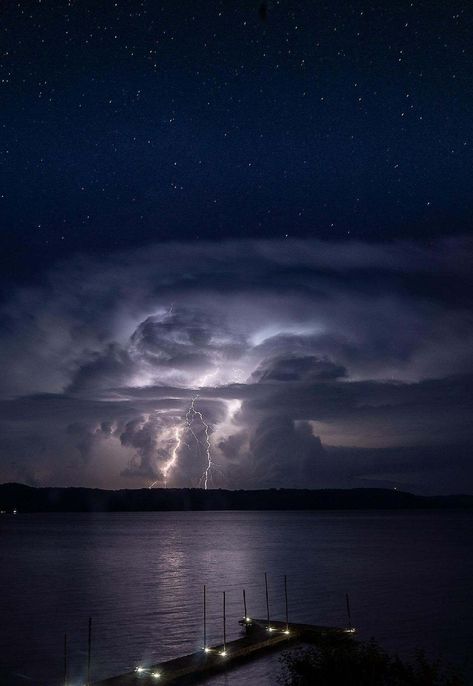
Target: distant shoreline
[24,498]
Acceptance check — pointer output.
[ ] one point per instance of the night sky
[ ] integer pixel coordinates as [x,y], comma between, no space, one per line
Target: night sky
[235,244]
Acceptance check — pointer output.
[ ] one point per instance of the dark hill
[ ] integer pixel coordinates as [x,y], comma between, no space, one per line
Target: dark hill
[28,499]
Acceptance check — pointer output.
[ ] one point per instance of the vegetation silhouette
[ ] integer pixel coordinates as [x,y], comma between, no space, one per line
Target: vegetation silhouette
[29,499]
[343,661]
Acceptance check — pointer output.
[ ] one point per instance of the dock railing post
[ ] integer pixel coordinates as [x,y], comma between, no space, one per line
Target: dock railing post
[65,659]
[347,597]
[287,610]
[246,618]
[89,651]
[224,625]
[205,618]
[267,597]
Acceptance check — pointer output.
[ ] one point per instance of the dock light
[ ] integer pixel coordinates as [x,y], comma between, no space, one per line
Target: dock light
[140,670]
[287,632]
[350,631]
[270,628]
[247,619]
[206,649]
[223,653]
[155,675]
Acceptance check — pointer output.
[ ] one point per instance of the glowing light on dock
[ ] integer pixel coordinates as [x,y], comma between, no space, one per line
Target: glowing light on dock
[223,653]
[145,670]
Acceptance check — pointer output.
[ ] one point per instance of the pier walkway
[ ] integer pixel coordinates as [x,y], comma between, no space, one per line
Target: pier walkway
[189,669]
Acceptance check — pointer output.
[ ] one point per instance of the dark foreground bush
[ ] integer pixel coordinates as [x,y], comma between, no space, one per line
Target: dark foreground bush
[342,661]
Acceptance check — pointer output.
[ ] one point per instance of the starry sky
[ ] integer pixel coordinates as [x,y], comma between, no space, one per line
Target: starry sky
[235,244]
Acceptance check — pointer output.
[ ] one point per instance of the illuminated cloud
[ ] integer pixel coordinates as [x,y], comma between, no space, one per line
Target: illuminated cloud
[310,363]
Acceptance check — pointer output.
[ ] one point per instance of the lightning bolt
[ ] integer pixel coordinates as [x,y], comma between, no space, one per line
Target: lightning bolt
[173,459]
[191,414]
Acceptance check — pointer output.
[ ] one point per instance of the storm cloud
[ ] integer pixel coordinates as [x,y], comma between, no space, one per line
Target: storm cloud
[310,363]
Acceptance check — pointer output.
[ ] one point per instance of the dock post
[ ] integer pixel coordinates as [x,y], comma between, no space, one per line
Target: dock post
[287,610]
[267,597]
[65,659]
[347,597]
[224,626]
[89,651]
[246,618]
[205,618]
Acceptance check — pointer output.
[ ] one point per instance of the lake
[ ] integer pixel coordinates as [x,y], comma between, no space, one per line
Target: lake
[140,576]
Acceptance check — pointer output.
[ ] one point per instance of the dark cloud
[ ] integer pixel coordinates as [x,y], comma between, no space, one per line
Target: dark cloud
[151,449]
[309,368]
[298,355]
[102,369]
[286,453]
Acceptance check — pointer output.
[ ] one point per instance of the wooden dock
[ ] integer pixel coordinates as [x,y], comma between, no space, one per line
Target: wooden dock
[189,669]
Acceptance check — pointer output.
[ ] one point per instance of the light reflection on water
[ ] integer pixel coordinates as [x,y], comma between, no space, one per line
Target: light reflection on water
[140,577]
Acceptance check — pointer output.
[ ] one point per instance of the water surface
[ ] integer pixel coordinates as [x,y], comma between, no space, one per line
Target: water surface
[140,576]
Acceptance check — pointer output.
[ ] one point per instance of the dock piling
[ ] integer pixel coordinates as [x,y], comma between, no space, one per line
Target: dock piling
[287,610]
[65,660]
[224,626]
[205,618]
[246,619]
[347,597]
[267,598]
[89,651]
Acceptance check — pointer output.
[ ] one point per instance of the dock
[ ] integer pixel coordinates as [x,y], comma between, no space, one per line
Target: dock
[259,638]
